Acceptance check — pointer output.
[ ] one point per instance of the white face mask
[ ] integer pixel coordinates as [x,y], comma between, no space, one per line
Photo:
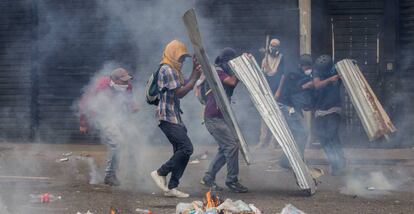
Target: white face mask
[118,87]
[308,72]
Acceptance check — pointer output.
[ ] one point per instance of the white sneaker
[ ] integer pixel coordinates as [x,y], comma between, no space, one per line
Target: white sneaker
[161,181]
[175,193]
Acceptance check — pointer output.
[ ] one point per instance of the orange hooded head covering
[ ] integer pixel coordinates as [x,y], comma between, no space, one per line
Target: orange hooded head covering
[172,53]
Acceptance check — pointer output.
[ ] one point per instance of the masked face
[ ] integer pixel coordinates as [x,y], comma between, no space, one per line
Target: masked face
[308,72]
[118,87]
[274,49]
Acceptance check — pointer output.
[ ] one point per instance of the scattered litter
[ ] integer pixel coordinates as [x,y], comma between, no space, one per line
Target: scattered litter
[290,209]
[88,212]
[196,161]
[371,188]
[44,198]
[213,205]
[67,154]
[316,172]
[153,193]
[255,209]
[84,154]
[397,201]
[63,160]
[195,207]
[202,156]
[143,211]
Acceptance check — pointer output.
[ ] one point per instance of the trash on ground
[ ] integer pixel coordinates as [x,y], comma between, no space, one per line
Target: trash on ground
[316,172]
[68,154]
[202,156]
[213,205]
[84,154]
[290,209]
[143,211]
[88,212]
[63,160]
[196,161]
[44,198]
[371,188]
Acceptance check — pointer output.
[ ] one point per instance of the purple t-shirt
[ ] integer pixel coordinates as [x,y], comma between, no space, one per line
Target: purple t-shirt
[212,110]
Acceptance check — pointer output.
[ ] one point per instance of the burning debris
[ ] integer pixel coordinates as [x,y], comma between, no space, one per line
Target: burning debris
[373,116]
[213,204]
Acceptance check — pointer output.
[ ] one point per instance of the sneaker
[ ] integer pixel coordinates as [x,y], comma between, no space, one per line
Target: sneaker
[161,181]
[211,184]
[237,187]
[111,180]
[175,193]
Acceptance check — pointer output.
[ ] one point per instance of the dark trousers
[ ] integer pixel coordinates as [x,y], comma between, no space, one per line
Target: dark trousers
[182,147]
[327,128]
[228,150]
[300,135]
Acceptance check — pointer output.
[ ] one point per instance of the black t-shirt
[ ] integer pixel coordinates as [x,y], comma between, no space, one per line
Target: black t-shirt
[292,93]
[330,95]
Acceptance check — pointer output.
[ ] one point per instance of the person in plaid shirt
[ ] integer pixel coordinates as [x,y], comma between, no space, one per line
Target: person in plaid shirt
[172,88]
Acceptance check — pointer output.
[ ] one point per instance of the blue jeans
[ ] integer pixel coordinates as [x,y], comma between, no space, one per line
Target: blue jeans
[228,151]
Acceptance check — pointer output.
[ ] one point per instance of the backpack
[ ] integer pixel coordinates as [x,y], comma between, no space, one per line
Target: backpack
[152,94]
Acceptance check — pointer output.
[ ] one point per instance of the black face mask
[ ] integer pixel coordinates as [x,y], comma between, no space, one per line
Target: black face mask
[273,50]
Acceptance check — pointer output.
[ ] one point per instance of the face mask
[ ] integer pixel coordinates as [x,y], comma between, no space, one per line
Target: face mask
[274,50]
[308,72]
[118,87]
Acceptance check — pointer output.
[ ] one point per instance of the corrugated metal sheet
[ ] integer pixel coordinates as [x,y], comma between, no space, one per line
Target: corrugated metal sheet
[15,69]
[356,27]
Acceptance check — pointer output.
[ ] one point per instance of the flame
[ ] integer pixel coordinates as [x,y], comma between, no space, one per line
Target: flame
[113,211]
[211,200]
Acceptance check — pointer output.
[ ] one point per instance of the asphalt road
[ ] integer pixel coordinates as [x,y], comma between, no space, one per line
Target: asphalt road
[369,187]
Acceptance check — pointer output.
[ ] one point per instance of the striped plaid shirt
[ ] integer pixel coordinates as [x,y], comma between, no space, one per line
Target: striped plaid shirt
[169,106]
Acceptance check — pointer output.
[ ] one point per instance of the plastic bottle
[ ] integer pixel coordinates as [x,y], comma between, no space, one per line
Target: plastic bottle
[44,198]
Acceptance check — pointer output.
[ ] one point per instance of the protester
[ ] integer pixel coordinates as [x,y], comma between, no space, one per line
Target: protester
[274,69]
[328,109]
[228,147]
[110,94]
[172,88]
[296,97]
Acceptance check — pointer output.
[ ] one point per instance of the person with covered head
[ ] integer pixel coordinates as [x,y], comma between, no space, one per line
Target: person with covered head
[228,147]
[328,111]
[103,106]
[274,70]
[173,87]
[296,98]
